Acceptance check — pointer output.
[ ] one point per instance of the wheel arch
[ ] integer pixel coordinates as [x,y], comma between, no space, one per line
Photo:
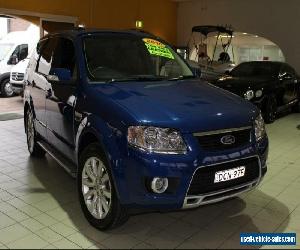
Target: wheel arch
[87,137]
[92,129]
[4,76]
[26,108]
[28,105]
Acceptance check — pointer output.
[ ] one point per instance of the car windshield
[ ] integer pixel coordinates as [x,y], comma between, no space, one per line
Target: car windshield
[256,69]
[124,57]
[4,49]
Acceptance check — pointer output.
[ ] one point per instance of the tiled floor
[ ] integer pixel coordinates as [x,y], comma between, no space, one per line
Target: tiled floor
[39,207]
[11,104]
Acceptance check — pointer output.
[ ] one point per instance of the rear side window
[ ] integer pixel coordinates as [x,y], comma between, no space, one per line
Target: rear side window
[256,69]
[46,54]
[40,45]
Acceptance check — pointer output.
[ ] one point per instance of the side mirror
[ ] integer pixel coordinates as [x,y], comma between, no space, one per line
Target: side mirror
[59,74]
[13,60]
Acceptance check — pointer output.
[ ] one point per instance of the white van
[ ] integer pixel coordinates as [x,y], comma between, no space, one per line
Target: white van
[14,47]
[18,75]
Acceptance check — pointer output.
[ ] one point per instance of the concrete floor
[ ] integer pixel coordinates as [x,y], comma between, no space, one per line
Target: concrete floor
[39,207]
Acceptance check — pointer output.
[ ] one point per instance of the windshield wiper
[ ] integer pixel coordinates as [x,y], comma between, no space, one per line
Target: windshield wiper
[140,78]
[182,78]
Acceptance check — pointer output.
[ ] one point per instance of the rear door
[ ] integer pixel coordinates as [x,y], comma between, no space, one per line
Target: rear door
[61,98]
[38,82]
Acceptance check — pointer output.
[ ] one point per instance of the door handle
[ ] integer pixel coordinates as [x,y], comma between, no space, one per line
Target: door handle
[48,93]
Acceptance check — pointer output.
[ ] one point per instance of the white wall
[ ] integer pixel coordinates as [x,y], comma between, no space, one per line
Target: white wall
[3,27]
[276,20]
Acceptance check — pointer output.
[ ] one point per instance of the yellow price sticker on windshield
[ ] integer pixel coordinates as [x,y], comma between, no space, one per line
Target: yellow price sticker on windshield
[157,48]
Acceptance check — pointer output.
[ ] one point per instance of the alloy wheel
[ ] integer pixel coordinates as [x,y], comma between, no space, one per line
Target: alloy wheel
[96,188]
[8,89]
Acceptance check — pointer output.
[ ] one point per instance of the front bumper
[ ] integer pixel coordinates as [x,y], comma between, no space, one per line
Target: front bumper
[192,201]
[18,88]
[138,167]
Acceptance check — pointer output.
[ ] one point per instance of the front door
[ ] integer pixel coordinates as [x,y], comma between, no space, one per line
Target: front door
[61,98]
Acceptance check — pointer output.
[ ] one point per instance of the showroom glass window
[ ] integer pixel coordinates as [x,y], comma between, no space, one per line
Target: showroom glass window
[126,56]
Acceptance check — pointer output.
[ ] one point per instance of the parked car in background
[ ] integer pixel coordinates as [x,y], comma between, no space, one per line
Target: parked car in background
[14,47]
[272,86]
[18,75]
[123,113]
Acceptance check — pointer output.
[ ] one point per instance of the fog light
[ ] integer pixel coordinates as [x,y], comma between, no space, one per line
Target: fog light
[159,185]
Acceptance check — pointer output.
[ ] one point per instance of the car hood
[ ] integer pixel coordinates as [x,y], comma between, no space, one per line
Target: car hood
[190,106]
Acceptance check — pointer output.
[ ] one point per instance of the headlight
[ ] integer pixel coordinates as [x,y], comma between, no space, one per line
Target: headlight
[158,140]
[249,95]
[258,93]
[260,129]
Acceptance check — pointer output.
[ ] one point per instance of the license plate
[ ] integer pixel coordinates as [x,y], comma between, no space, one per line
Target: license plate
[230,174]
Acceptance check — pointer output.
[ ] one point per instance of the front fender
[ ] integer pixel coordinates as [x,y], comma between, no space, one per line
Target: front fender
[4,76]
[110,139]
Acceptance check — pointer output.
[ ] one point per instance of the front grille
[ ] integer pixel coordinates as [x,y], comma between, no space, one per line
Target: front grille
[213,142]
[17,76]
[204,177]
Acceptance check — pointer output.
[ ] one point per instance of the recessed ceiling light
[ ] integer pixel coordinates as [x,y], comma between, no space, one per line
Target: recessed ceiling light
[245,33]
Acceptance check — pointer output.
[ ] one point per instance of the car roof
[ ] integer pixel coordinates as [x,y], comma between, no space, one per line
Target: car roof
[73,33]
[265,62]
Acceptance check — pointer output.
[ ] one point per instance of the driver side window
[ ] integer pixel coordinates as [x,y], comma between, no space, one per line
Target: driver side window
[64,57]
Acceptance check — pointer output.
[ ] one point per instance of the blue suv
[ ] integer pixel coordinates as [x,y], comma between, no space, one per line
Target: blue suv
[124,114]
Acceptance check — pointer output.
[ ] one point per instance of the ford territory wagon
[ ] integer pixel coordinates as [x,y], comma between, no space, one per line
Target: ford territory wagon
[124,114]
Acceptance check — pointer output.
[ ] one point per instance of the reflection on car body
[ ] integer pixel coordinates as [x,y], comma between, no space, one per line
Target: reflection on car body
[272,86]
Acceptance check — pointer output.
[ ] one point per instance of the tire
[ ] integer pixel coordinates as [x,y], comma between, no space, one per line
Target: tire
[296,108]
[34,149]
[96,188]
[6,88]
[270,110]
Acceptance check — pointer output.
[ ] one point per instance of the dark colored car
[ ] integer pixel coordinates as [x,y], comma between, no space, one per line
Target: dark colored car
[125,115]
[272,86]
